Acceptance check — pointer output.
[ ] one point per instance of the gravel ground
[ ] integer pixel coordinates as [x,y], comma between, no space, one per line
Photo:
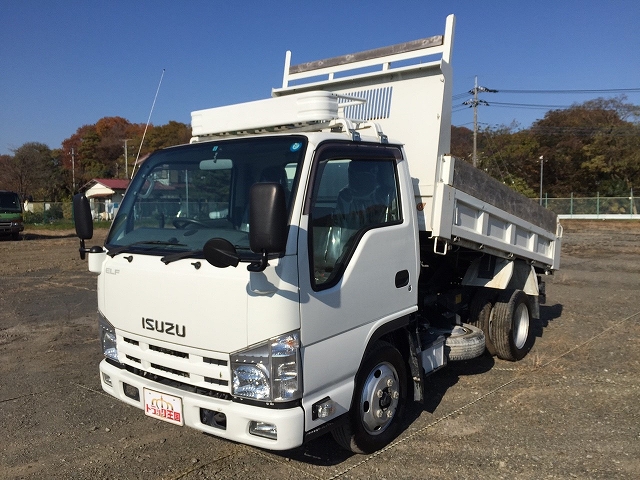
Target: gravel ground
[568,410]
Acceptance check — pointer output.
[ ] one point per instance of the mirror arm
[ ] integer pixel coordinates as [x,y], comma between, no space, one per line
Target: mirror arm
[261,265]
[84,250]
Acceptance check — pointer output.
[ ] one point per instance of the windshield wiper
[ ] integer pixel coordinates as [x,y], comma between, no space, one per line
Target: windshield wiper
[167,259]
[123,248]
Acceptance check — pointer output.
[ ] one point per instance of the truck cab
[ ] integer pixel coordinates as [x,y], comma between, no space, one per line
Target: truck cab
[11,221]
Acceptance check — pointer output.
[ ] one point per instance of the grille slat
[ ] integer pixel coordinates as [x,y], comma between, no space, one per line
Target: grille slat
[168,351]
[170,370]
[184,366]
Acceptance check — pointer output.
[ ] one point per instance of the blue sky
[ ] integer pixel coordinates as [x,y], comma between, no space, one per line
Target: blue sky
[64,64]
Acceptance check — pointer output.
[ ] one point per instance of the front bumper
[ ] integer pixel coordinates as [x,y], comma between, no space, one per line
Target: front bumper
[289,422]
[10,227]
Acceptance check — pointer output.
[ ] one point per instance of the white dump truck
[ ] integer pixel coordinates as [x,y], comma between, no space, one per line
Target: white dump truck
[308,259]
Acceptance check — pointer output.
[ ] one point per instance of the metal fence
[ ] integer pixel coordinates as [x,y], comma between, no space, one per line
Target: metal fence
[48,213]
[38,213]
[594,207]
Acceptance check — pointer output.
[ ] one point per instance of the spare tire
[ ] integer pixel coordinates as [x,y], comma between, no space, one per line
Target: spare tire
[462,342]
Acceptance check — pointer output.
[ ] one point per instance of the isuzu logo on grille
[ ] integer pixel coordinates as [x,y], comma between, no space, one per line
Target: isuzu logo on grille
[164,327]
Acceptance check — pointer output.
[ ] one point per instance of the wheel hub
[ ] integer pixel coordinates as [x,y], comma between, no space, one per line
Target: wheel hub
[520,326]
[380,397]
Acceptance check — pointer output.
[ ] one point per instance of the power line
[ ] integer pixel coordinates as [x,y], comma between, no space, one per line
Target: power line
[465,105]
[567,91]
[526,105]
[604,90]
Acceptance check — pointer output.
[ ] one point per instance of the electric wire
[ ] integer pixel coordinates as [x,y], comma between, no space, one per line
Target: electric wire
[460,107]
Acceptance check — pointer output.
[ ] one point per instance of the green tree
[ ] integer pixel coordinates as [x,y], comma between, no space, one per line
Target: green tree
[173,133]
[33,170]
[574,141]
[613,158]
[461,142]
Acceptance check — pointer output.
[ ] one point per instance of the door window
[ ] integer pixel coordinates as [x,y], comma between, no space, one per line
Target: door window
[352,194]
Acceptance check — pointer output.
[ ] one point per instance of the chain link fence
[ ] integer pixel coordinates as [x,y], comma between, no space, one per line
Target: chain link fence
[103,211]
[61,213]
[594,207]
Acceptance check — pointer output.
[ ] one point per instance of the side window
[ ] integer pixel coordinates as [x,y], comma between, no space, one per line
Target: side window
[351,196]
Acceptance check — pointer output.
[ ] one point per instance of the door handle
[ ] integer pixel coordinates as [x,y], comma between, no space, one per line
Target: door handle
[402,278]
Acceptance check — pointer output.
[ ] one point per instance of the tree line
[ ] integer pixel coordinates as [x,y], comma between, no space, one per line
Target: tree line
[587,148]
[93,151]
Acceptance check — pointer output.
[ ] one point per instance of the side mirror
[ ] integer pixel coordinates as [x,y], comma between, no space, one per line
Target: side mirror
[83,221]
[268,218]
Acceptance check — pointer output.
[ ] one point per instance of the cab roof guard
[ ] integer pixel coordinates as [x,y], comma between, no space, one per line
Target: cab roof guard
[382,58]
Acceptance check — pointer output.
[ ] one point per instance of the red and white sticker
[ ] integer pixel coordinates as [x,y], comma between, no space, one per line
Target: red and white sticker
[163,406]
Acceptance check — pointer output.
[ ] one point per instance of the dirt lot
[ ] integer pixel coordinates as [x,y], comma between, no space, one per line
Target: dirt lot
[570,409]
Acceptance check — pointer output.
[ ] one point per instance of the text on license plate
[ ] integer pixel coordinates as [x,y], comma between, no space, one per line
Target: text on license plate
[163,406]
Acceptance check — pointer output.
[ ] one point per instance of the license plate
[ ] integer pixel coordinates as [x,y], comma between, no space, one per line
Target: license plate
[163,406]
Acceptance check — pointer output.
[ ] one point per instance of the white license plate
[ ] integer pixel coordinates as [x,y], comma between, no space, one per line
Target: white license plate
[163,406]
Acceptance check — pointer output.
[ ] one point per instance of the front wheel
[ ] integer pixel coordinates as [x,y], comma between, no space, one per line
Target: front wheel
[378,402]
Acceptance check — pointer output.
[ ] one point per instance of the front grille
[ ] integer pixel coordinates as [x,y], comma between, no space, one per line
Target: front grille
[183,367]
[207,392]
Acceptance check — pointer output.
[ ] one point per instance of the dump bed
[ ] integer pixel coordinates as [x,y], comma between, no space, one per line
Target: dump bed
[472,209]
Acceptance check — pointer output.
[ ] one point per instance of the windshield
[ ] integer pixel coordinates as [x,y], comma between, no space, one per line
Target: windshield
[9,203]
[184,196]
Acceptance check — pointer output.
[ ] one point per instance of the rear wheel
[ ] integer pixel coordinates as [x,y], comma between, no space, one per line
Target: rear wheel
[480,315]
[378,402]
[511,325]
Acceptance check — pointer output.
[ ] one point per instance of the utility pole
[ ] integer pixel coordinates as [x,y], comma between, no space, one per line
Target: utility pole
[73,168]
[126,159]
[474,103]
[541,170]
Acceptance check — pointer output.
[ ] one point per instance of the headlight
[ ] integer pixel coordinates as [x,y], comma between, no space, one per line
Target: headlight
[107,338]
[251,381]
[270,371]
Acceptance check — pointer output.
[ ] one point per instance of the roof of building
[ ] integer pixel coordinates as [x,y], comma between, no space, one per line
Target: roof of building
[113,183]
[105,187]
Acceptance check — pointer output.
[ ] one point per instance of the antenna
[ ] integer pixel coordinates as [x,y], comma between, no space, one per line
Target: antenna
[133,171]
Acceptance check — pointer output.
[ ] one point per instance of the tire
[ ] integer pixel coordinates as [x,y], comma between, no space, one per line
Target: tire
[480,315]
[378,402]
[511,325]
[464,343]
